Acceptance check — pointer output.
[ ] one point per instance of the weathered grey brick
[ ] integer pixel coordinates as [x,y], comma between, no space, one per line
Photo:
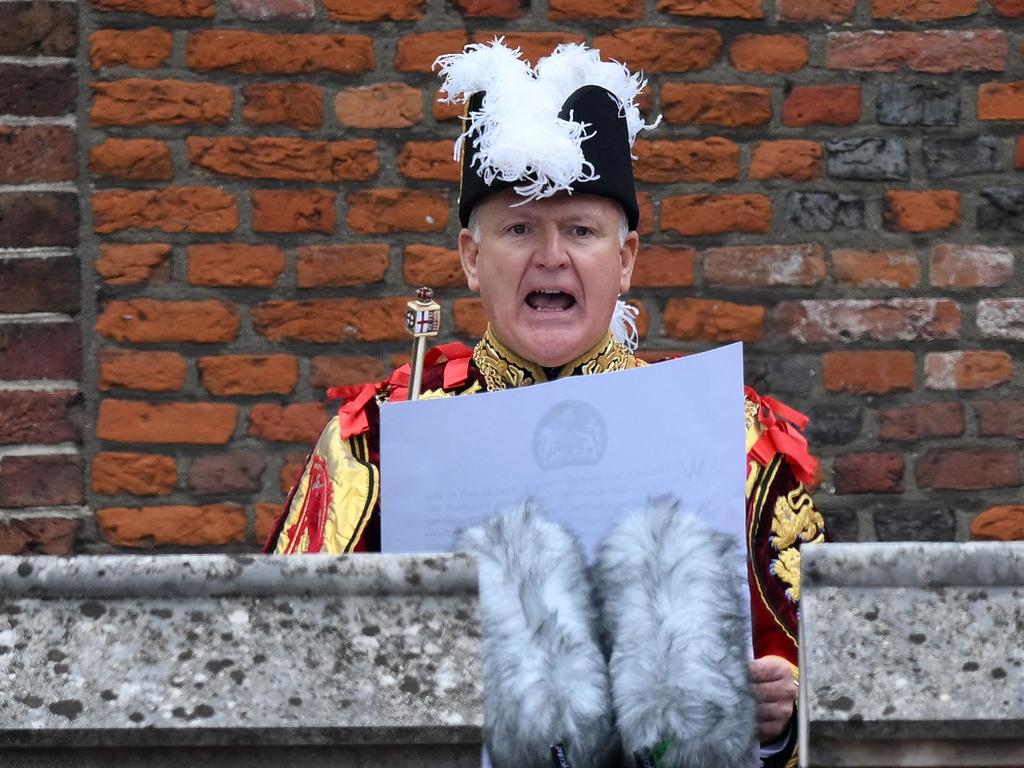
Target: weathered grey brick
[867,159]
[899,523]
[834,424]
[37,91]
[1001,207]
[960,156]
[781,374]
[38,29]
[823,211]
[917,104]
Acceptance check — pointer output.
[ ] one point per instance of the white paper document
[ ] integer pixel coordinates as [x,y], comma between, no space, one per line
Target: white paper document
[586,449]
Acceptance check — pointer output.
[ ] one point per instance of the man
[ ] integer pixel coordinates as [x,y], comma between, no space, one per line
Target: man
[549,215]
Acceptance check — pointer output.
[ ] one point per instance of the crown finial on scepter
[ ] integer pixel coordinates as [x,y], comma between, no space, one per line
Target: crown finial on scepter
[422,320]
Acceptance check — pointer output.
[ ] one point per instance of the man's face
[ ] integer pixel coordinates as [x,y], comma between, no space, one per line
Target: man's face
[548,271]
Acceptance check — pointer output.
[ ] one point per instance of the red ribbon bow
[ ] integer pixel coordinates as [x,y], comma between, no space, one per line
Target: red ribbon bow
[780,433]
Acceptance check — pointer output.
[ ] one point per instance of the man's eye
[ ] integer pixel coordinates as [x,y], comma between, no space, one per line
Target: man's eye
[517,229]
[582,231]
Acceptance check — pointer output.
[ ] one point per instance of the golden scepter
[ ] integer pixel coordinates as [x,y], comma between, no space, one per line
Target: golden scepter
[422,319]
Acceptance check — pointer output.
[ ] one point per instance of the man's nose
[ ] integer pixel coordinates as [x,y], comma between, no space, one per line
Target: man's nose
[552,251]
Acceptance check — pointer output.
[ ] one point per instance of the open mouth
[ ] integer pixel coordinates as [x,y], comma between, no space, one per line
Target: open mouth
[550,301]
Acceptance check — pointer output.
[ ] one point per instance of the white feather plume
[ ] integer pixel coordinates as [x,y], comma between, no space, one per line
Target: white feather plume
[672,608]
[623,325]
[545,677]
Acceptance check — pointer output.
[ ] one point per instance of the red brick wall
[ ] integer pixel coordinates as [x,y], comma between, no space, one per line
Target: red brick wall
[264,182]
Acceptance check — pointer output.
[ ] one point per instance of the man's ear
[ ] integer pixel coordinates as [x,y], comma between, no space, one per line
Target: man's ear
[627,257]
[469,252]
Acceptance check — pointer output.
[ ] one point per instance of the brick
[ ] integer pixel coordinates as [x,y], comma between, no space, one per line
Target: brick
[821,105]
[339,371]
[172,9]
[265,516]
[139,474]
[297,105]
[921,422]
[954,265]
[1018,155]
[657,49]
[713,320]
[39,535]
[40,351]
[850,320]
[1001,207]
[659,266]
[770,54]
[43,91]
[1001,319]
[927,523]
[162,320]
[645,203]
[834,425]
[876,269]
[867,158]
[1004,522]
[1001,101]
[999,418]
[715,9]
[139,49]
[967,370]
[498,9]
[570,10]
[132,159]
[429,161]
[145,527]
[716,214]
[38,219]
[123,264]
[284,210]
[40,417]
[764,265]
[136,421]
[284,158]
[470,317]
[922,10]
[1008,8]
[917,104]
[291,470]
[824,211]
[432,266]
[249,374]
[968,469]
[38,29]
[534,45]
[146,371]
[868,473]
[332,320]
[336,266]
[171,209]
[379,211]
[44,285]
[264,10]
[790,159]
[924,211]
[935,51]
[382,105]
[833,11]
[295,423]
[417,52]
[385,10]
[791,375]
[140,101]
[871,372]
[728,106]
[32,153]
[713,159]
[257,53]
[235,265]
[41,481]
[961,156]
[239,472]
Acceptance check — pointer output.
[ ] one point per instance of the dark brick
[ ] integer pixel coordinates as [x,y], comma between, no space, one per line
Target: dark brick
[34,153]
[39,285]
[899,523]
[36,219]
[40,417]
[41,481]
[960,156]
[841,526]
[38,29]
[230,473]
[823,211]
[834,425]
[917,104]
[1002,207]
[867,159]
[790,375]
[37,91]
[40,351]
[868,473]
[973,469]
[39,535]
[920,422]
[1000,418]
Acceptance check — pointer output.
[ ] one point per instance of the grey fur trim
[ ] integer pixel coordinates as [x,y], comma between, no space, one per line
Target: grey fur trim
[674,618]
[545,677]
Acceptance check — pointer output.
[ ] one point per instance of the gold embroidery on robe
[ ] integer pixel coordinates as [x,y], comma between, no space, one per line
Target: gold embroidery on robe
[794,519]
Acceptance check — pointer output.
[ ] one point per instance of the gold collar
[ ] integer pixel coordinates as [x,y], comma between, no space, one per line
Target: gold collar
[504,369]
